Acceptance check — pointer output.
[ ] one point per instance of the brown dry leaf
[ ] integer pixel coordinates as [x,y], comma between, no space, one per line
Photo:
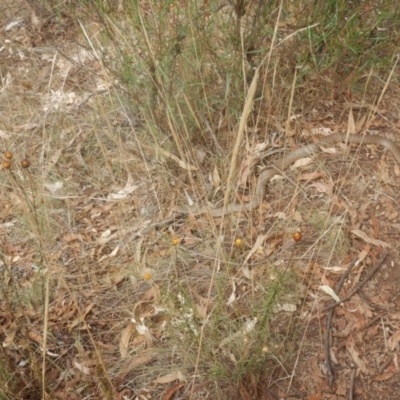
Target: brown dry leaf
[82,367]
[171,391]
[363,254]
[329,150]
[173,376]
[311,176]
[53,161]
[259,241]
[244,173]
[272,246]
[141,359]
[112,254]
[35,336]
[152,294]
[26,127]
[375,225]
[351,126]
[201,310]
[104,239]
[4,134]
[396,167]
[81,318]
[316,396]
[383,377]
[301,163]
[394,340]
[341,389]
[216,179]
[323,188]
[382,171]
[391,210]
[10,336]
[371,333]
[70,237]
[361,122]
[369,239]
[356,357]
[117,277]
[364,308]
[126,335]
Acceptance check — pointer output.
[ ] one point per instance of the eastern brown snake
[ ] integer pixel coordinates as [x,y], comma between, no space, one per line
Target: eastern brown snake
[281,165]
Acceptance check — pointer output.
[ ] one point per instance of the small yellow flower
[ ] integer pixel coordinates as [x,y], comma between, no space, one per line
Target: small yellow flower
[175,241]
[148,274]
[238,242]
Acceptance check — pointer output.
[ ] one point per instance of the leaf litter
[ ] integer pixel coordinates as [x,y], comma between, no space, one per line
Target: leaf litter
[110,296]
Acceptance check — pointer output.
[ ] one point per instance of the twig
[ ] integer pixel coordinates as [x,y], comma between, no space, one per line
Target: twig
[331,309]
[329,323]
[360,285]
[388,361]
[352,378]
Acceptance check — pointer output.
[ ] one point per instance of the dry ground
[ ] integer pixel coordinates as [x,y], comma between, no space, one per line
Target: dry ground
[93,213]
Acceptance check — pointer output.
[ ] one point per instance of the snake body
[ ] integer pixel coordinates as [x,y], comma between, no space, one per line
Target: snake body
[281,165]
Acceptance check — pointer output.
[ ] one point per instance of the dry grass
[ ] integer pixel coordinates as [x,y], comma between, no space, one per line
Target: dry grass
[123,113]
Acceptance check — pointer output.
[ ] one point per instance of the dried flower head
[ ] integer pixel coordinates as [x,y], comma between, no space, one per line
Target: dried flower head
[6,164]
[297,236]
[25,163]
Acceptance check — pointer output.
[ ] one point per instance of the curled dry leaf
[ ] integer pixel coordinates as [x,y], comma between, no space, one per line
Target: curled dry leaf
[323,188]
[126,335]
[232,297]
[35,336]
[301,163]
[123,193]
[311,176]
[259,241]
[53,187]
[287,307]
[394,340]
[82,367]
[356,357]
[171,391]
[329,150]
[181,163]
[329,291]
[383,377]
[9,339]
[173,376]
[4,134]
[369,239]
[216,179]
